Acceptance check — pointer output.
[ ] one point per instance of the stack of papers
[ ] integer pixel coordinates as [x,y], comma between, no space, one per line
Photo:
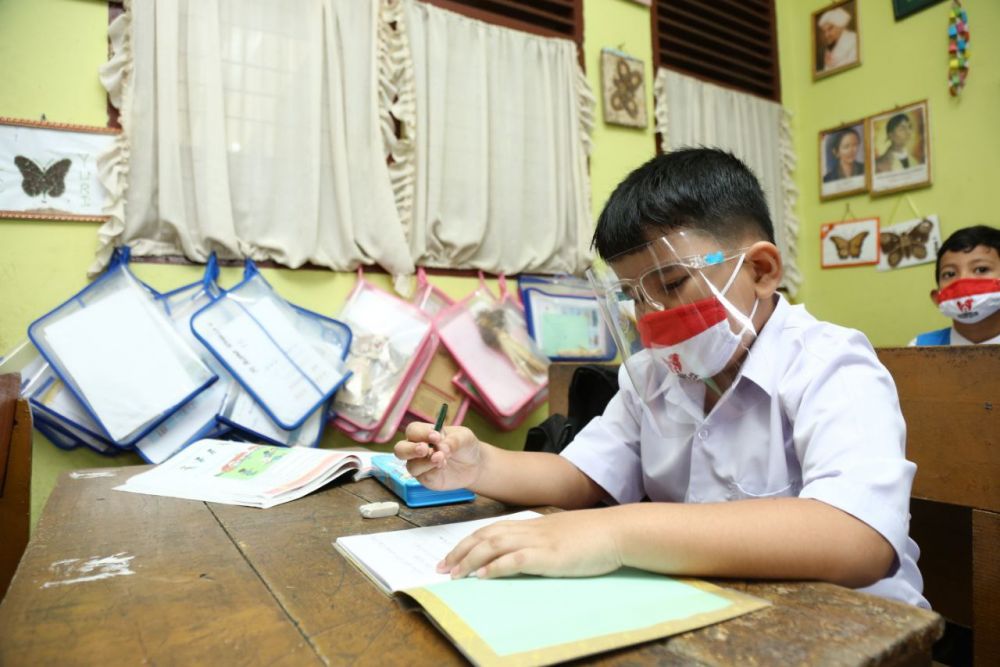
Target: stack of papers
[238,473]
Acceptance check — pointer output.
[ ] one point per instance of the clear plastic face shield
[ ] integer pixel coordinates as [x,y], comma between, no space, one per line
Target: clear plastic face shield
[675,306]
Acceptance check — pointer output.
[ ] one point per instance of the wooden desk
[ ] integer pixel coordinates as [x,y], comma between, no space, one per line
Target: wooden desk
[237,586]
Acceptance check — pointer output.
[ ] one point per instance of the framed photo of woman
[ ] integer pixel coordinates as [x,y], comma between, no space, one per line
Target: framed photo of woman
[835,38]
[842,168]
[899,151]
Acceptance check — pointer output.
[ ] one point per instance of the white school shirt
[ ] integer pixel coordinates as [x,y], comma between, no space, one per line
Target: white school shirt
[813,415]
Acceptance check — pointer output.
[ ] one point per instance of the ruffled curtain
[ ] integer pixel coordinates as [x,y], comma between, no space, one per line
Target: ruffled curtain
[691,112]
[490,169]
[252,128]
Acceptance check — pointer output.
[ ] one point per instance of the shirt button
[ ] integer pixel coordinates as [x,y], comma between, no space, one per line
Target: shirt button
[703,433]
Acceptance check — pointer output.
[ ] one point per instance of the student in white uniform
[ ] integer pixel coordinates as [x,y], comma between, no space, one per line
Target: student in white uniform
[968,289]
[769,444]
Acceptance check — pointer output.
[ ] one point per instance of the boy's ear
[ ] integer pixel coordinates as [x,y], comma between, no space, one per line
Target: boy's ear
[765,258]
[933,296]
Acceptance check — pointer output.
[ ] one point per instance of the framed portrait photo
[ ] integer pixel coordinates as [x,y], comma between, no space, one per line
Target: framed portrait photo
[849,243]
[48,171]
[842,169]
[835,38]
[899,151]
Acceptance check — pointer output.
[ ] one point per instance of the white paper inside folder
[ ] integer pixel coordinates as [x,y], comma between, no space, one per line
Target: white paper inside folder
[288,361]
[113,340]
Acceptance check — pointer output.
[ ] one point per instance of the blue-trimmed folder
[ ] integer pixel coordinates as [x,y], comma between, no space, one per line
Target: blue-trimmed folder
[392,472]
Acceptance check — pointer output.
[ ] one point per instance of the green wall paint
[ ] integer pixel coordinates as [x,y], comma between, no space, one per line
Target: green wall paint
[58,45]
[902,62]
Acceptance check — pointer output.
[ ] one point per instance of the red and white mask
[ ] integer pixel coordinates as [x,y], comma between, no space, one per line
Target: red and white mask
[970,300]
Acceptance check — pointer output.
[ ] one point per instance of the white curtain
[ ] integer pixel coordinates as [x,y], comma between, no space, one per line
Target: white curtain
[491,169]
[252,127]
[691,112]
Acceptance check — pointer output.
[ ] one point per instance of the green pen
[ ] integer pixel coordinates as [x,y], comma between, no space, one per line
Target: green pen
[442,413]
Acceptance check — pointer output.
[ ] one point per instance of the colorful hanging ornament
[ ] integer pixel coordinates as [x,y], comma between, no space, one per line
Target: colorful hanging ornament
[958,47]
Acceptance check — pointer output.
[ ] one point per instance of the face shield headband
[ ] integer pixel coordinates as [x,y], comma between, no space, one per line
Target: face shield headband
[666,312]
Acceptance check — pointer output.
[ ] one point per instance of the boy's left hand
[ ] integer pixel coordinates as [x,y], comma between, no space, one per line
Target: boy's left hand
[579,543]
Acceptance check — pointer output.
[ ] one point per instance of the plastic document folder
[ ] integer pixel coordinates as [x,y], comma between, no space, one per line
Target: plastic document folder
[527,620]
[113,340]
[291,365]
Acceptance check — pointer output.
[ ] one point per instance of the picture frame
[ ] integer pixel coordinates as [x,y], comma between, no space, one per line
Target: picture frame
[899,151]
[836,39]
[909,243]
[903,8]
[48,171]
[623,84]
[849,243]
[843,169]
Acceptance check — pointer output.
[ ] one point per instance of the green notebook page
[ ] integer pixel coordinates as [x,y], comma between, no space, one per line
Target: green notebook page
[538,620]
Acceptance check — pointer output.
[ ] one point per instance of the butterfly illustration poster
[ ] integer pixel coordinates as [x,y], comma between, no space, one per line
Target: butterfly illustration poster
[49,170]
[849,243]
[909,243]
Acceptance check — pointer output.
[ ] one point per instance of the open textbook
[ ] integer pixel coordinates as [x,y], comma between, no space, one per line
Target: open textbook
[239,473]
[527,620]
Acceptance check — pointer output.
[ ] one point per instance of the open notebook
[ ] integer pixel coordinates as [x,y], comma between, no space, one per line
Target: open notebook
[529,620]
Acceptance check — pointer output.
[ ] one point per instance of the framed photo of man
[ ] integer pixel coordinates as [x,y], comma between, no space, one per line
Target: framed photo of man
[835,38]
[842,168]
[899,151]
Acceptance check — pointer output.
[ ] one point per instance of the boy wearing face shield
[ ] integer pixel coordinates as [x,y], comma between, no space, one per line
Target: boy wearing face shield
[770,445]
[968,291]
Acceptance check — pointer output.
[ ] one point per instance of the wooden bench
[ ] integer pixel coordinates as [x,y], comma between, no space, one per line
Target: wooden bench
[950,398]
[15,476]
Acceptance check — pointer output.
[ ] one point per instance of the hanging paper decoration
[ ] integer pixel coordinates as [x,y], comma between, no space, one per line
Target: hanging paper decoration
[958,48]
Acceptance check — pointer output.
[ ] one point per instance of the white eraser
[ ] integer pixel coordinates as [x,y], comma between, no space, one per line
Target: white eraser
[376,510]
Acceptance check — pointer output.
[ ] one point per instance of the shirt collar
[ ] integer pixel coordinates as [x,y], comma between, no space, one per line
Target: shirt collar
[759,364]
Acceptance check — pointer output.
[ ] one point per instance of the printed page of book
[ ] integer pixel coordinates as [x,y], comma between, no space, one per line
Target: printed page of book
[402,559]
[241,473]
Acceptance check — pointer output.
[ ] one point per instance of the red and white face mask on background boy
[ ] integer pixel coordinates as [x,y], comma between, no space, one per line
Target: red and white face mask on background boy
[970,300]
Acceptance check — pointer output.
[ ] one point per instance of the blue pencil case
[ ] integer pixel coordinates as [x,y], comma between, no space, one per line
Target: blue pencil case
[392,473]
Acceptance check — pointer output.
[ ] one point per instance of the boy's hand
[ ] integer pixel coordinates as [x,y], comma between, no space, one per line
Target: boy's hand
[580,543]
[453,462]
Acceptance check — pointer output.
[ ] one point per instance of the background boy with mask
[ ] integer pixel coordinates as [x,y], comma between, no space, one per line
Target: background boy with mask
[968,279]
[796,423]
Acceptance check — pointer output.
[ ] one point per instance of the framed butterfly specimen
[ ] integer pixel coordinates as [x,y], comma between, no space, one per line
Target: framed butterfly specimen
[623,86]
[849,243]
[48,171]
[909,243]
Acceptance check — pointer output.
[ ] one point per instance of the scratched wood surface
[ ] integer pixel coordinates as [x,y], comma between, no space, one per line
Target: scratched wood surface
[191,597]
[220,583]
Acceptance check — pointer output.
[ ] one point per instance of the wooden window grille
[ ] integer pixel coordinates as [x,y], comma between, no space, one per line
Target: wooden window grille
[549,18]
[732,43]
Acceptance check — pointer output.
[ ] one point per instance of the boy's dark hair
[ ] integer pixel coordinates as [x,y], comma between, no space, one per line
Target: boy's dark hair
[964,240]
[704,189]
[895,121]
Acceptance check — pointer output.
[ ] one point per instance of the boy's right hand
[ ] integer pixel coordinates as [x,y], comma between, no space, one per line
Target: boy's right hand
[454,461]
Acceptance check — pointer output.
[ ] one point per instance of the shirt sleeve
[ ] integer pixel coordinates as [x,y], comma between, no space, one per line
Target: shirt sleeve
[607,449]
[849,432]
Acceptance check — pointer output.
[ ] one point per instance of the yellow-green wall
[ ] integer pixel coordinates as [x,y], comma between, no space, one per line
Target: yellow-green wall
[902,62]
[50,52]
[49,55]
